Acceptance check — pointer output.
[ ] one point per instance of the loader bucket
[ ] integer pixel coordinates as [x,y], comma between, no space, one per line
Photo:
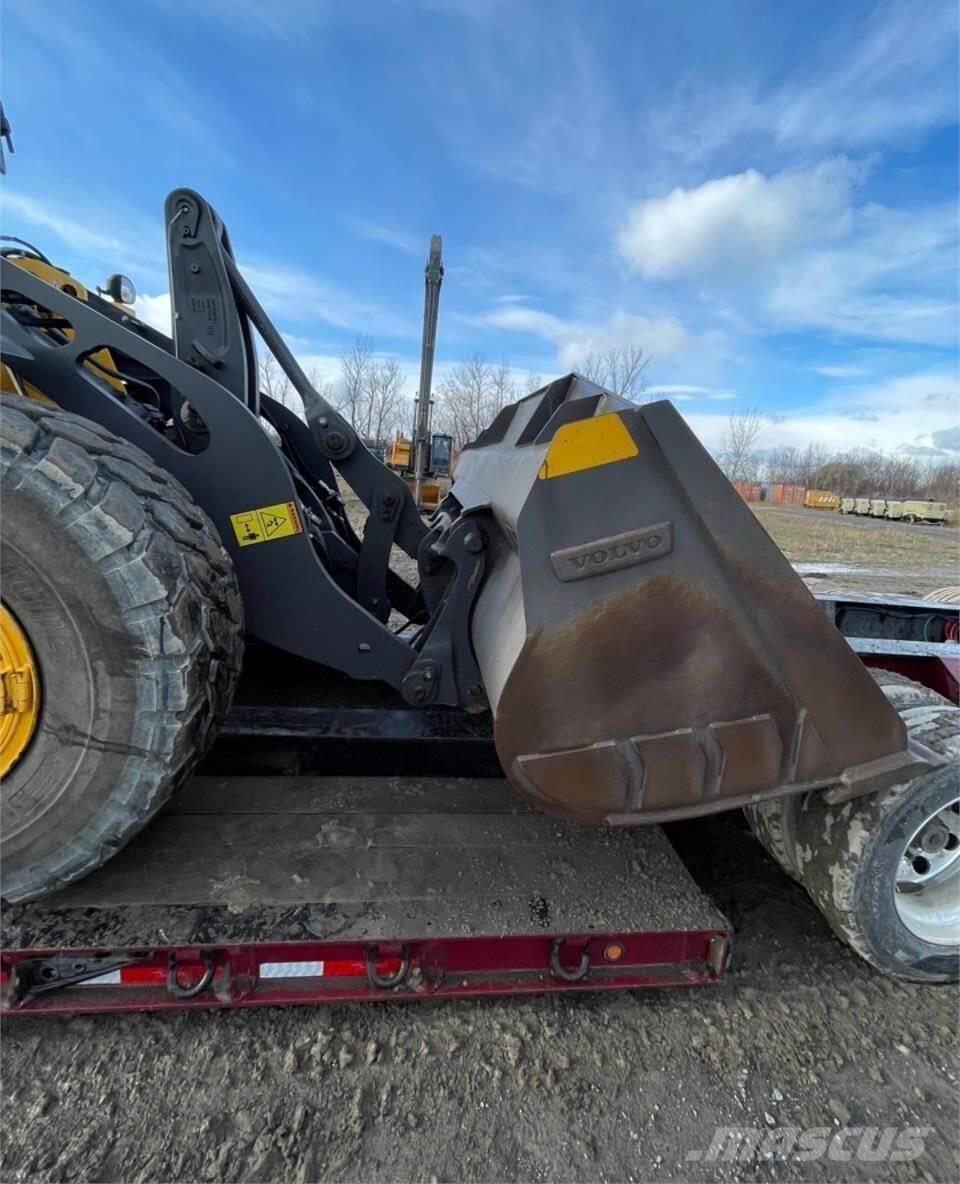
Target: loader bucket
[647,650]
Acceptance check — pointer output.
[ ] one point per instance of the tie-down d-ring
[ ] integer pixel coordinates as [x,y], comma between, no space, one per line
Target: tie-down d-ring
[569,976]
[178,990]
[386,981]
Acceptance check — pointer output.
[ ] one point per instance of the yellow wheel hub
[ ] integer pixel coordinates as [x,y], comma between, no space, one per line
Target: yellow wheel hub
[19,691]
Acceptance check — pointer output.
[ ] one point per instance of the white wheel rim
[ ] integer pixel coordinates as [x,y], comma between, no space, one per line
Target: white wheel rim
[927,893]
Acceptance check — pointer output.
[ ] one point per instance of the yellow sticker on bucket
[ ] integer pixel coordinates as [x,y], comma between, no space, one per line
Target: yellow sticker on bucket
[587,443]
[266,523]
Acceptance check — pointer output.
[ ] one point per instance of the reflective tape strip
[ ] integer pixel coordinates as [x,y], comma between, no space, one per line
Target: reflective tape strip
[110,979]
[291,969]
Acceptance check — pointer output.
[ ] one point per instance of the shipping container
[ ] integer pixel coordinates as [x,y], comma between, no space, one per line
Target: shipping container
[782,494]
[750,491]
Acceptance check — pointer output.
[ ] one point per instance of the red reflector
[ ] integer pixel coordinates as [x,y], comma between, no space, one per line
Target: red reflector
[353,967]
[188,974]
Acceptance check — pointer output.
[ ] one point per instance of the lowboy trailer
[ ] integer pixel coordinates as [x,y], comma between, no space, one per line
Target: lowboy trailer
[339,844]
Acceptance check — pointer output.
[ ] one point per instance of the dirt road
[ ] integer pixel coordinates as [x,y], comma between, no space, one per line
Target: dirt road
[594,1087]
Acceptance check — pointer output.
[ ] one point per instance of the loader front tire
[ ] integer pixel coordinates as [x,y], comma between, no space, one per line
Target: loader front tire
[130,605]
[884,869]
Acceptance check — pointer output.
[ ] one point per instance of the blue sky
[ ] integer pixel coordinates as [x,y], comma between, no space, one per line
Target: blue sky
[762,195]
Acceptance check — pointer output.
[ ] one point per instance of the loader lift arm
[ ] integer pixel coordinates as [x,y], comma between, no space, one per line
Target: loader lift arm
[646,649]
[194,406]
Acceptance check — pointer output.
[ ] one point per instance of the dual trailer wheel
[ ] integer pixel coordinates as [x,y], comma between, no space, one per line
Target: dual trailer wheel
[120,647]
[884,869]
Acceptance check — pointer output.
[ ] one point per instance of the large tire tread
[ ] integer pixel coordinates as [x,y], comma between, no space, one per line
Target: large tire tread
[176,593]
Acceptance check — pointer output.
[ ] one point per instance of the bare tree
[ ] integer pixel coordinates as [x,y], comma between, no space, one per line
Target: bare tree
[384,401]
[503,389]
[275,384]
[942,482]
[372,396]
[783,465]
[622,371]
[902,476]
[533,382]
[355,366]
[812,462]
[739,457]
[471,396]
[865,472]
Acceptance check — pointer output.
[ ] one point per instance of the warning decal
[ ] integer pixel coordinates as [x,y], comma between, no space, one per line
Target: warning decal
[266,523]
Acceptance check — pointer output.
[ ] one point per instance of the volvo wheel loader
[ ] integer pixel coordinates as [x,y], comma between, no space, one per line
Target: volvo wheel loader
[591,580]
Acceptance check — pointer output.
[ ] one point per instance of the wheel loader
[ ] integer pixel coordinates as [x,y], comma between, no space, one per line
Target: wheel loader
[591,580]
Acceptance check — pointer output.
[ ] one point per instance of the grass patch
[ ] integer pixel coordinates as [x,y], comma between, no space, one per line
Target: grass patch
[821,535]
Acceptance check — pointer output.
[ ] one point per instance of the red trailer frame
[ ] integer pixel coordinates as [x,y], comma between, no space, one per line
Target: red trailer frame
[54,982]
[440,957]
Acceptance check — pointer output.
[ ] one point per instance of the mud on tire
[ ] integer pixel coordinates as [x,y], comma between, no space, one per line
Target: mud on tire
[132,609]
[848,857]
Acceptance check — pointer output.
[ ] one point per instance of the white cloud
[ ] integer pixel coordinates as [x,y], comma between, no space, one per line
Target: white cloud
[686,393]
[794,251]
[883,87]
[290,294]
[86,236]
[155,311]
[287,293]
[389,235]
[734,223]
[290,21]
[891,279]
[909,412]
[882,78]
[841,371]
[575,340]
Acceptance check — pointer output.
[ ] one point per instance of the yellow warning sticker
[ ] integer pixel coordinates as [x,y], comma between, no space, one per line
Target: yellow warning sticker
[587,444]
[265,524]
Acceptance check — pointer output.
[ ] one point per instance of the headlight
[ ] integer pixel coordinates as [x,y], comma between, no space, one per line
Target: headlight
[120,289]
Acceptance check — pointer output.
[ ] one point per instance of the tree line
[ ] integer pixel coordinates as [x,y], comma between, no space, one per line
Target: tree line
[854,472]
[371,392]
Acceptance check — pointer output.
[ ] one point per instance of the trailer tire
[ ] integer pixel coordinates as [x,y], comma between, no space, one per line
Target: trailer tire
[848,857]
[131,608]
[773,824]
[929,717]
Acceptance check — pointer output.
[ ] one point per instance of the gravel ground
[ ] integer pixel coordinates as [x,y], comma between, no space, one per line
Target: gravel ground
[590,1087]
